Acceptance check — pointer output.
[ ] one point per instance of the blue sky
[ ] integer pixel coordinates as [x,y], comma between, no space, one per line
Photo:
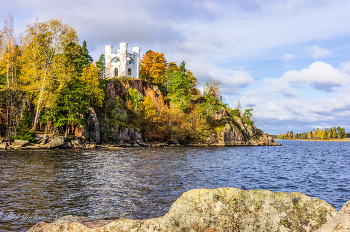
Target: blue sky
[287,59]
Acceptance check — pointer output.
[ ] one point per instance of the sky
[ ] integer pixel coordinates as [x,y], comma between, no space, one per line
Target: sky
[289,60]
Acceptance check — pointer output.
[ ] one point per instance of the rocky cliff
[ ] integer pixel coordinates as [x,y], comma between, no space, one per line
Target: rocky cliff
[234,132]
[229,132]
[224,209]
[117,88]
[117,123]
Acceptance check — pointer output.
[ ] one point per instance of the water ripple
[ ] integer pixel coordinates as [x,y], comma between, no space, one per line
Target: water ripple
[143,183]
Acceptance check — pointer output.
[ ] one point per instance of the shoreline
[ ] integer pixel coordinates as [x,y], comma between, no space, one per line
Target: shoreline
[320,140]
[33,147]
[59,142]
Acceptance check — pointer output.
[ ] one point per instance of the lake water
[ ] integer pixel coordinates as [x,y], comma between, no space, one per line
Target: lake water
[144,182]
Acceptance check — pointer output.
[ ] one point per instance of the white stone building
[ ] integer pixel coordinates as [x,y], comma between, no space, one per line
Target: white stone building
[122,63]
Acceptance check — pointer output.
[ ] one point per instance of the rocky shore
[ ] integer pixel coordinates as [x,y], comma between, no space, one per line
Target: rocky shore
[224,209]
[51,142]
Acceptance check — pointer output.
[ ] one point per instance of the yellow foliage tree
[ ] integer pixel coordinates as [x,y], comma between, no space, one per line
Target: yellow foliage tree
[154,111]
[309,135]
[318,134]
[200,129]
[149,109]
[46,65]
[10,52]
[153,106]
[334,134]
[93,88]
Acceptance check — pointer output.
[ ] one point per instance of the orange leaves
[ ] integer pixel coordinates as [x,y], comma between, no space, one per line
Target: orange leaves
[153,68]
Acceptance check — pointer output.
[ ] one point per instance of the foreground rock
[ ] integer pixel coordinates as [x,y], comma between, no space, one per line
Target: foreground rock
[341,222]
[224,209]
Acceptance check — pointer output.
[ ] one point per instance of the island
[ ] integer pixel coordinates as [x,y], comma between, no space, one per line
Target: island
[53,95]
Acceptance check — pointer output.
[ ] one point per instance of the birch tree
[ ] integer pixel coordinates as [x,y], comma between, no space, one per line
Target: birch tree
[45,66]
[7,44]
[10,95]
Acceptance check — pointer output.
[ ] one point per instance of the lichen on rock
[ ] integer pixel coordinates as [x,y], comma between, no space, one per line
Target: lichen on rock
[341,222]
[223,209]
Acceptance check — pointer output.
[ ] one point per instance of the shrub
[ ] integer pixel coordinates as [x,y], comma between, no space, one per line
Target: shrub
[25,134]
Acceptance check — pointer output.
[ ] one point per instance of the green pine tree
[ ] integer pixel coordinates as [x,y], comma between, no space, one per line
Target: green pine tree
[87,59]
[100,64]
[179,85]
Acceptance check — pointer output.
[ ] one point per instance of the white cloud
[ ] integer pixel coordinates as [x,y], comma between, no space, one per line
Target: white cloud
[286,57]
[345,66]
[252,101]
[233,81]
[240,79]
[291,109]
[277,115]
[194,28]
[320,75]
[274,85]
[318,52]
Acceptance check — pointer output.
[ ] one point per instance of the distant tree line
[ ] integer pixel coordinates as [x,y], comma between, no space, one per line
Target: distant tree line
[327,133]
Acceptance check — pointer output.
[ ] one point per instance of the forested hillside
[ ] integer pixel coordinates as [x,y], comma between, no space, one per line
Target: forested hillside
[49,83]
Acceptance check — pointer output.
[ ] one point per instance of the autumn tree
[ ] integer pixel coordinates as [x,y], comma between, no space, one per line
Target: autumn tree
[154,122]
[70,104]
[318,133]
[309,135]
[334,135]
[45,66]
[153,67]
[11,97]
[91,76]
[212,103]
[7,50]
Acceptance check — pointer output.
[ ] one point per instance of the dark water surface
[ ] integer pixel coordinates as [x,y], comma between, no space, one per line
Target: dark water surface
[143,183]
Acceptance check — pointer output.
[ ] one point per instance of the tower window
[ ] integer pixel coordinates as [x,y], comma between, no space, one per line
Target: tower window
[129,71]
[116,72]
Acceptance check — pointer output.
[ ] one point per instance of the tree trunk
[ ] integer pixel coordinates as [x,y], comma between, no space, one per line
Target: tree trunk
[67,130]
[37,112]
[7,73]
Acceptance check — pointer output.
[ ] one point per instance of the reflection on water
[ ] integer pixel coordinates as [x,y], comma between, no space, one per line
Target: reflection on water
[143,183]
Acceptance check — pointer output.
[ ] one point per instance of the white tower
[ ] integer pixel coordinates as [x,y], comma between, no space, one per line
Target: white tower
[122,63]
[136,51]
